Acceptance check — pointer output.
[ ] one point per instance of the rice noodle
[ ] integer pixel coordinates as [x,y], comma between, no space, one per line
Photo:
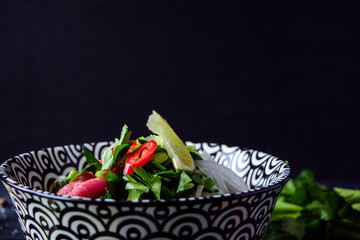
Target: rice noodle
[227,181]
[199,190]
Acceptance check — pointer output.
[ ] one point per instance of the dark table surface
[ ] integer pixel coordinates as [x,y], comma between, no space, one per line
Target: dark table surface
[9,224]
[10,227]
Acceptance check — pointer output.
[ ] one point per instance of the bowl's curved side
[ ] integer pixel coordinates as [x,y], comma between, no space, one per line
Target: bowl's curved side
[241,217]
[44,215]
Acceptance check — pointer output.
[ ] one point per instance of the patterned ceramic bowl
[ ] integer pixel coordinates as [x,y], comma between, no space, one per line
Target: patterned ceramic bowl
[44,215]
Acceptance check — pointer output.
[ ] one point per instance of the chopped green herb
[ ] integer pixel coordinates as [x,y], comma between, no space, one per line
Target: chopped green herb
[185,183]
[306,210]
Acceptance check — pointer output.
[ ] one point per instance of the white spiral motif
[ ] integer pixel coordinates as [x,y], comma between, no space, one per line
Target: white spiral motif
[230,218]
[74,152]
[83,223]
[186,223]
[244,232]
[263,208]
[63,234]
[210,235]
[19,200]
[234,216]
[106,238]
[211,148]
[42,215]
[261,228]
[20,173]
[34,230]
[35,180]
[132,225]
[42,160]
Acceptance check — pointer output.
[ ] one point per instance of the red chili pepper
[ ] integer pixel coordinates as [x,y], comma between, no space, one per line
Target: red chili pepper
[140,156]
[131,149]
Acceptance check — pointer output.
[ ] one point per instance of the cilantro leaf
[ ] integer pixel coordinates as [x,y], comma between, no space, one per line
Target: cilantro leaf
[306,210]
[119,148]
[114,183]
[285,209]
[90,159]
[208,183]
[107,195]
[151,180]
[293,227]
[320,209]
[350,195]
[135,188]
[168,193]
[356,206]
[134,194]
[185,182]
[89,168]
[112,156]
[124,135]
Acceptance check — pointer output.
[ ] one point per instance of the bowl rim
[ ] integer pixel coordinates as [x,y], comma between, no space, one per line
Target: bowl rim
[222,197]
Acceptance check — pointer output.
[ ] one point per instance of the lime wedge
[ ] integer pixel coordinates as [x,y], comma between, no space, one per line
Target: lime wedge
[178,152]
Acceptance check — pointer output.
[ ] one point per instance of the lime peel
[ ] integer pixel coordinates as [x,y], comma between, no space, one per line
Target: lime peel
[177,150]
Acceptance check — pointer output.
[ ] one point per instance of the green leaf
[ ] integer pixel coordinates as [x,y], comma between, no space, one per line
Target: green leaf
[152,181]
[159,157]
[169,173]
[114,183]
[124,135]
[113,153]
[89,168]
[293,227]
[275,232]
[160,149]
[134,194]
[168,193]
[110,158]
[195,156]
[350,195]
[72,174]
[154,165]
[320,210]
[289,188]
[90,159]
[119,152]
[135,188]
[356,206]
[208,183]
[285,209]
[185,182]
[107,195]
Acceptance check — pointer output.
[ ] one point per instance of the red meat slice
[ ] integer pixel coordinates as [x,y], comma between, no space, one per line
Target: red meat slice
[92,188]
[86,185]
[75,183]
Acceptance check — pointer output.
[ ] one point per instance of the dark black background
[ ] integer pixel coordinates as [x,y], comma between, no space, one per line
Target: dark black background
[279,77]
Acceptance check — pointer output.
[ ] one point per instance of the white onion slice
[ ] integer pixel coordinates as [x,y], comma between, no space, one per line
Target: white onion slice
[227,181]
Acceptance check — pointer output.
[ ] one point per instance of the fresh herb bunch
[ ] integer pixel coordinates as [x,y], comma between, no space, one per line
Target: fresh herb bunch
[307,210]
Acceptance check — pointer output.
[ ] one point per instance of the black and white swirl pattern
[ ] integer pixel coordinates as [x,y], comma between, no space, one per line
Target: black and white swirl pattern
[43,215]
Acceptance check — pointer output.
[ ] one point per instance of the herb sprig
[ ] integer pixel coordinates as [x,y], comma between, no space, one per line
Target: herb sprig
[307,210]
